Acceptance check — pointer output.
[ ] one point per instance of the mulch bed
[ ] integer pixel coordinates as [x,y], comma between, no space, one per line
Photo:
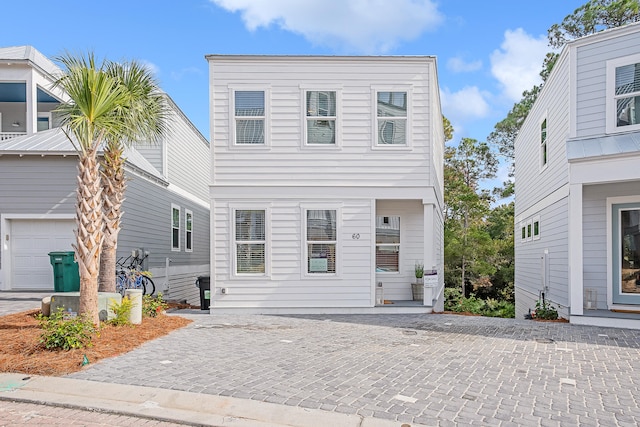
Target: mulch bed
[22,352]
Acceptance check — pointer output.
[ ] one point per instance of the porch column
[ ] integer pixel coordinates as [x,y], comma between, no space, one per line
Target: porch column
[32,104]
[575,250]
[429,252]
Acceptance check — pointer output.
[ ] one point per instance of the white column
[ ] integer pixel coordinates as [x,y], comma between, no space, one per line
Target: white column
[429,252]
[32,105]
[575,250]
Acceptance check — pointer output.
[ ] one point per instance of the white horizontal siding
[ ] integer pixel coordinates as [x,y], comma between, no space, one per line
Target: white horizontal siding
[532,182]
[591,80]
[287,160]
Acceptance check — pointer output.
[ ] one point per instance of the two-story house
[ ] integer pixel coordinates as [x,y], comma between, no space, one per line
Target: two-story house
[166,207]
[577,204]
[327,183]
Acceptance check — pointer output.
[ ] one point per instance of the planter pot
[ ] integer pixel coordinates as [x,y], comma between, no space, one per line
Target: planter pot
[417,290]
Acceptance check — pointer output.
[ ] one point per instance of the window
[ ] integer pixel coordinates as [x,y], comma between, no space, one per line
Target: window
[529,231]
[175,227]
[627,95]
[623,94]
[543,143]
[536,228]
[391,118]
[188,230]
[249,111]
[44,121]
[524,232]
[320,120]
[250,241]
[321,235]
[387,244]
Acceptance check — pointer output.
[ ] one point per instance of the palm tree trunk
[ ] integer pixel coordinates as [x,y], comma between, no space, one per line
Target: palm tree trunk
[113,188]
[89,233]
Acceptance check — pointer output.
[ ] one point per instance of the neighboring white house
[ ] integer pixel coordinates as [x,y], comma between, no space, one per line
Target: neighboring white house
[327,179]
[577,205]
[166,207]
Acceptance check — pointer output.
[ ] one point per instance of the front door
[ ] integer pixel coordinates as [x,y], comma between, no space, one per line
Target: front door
[626,253]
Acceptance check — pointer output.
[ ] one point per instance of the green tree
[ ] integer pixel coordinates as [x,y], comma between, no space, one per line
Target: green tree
[143,118]
[467,243]
[89,117]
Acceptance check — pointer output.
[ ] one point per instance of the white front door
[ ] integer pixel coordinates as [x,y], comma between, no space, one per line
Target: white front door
[31,240]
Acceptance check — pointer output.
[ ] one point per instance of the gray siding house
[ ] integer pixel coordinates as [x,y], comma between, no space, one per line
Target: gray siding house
[577,205]
[166,206]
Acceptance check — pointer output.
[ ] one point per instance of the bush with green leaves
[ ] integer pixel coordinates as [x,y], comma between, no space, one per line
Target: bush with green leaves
[121,311]
[456,302]
[152,306]
[544,310]
[59,331]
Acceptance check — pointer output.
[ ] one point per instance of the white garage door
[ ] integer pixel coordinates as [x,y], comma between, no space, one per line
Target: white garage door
[31,242]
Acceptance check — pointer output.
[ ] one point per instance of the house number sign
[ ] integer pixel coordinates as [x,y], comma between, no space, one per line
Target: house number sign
[355,236]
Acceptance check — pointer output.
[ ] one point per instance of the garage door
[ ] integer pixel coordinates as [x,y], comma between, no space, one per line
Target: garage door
[31,242]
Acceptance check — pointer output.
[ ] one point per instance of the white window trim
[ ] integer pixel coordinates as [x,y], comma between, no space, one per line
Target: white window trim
[232,117]
[523,227]
[303,114]
[188,213]
[529,230]
[543,166]
[267,240]
[533,228]
[304,270]
[48,116]
[611,119]
[173,207]
[387,273]
[374,117]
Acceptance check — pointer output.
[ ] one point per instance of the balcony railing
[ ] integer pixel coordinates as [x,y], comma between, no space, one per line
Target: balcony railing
[8,135]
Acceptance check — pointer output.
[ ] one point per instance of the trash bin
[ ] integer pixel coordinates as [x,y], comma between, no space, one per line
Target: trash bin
[66,277]
[204,283]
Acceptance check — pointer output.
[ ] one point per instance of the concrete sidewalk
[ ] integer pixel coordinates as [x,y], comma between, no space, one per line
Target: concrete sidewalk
[170,406]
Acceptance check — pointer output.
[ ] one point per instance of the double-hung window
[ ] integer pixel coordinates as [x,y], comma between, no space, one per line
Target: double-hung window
[543,144]
[249,117]
[391,118]
[387,244]
[321,241]
[175,227]
[188,230]
[321,117]
[623,94]
[250,241]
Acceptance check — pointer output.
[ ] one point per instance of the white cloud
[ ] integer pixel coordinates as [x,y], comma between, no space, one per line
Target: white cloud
[153,68]
[181,73]
[458,65]
[466,104]
[518,62]
[363,26]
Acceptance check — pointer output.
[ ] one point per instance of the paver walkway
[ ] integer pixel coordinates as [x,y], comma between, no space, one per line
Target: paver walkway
[428,369]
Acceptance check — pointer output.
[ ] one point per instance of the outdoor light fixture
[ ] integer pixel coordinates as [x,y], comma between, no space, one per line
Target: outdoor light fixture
[15,124]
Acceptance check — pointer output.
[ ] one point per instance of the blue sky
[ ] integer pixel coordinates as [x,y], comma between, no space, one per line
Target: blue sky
[488,52]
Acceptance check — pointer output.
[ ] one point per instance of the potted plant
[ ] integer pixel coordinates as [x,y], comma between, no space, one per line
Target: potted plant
[417,289]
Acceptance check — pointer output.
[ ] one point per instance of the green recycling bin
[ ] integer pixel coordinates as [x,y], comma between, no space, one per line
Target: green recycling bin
[66,277]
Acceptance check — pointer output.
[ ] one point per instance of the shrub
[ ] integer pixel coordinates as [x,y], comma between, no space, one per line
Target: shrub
[544,310]
[122,311]
[454,301]
[151,306]
[63,332]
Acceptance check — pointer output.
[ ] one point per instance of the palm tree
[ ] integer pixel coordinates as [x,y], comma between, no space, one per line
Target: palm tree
[89,117]
[144,119]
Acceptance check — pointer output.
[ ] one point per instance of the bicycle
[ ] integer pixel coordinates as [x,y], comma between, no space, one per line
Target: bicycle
[131,276]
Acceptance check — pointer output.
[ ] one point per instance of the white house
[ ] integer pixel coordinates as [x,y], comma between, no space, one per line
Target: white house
[327,180]
[166,207]
[577,205]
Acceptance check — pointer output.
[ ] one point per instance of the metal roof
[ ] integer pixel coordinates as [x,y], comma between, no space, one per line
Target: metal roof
[610,145]
[54,142]
[29,53]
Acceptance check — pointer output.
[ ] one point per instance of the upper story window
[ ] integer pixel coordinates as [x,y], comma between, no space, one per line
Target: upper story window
[250,241]
[249,117]
[387,244]
[391,118]
[321,117]
[623,94]
[543,144]
[44,121]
